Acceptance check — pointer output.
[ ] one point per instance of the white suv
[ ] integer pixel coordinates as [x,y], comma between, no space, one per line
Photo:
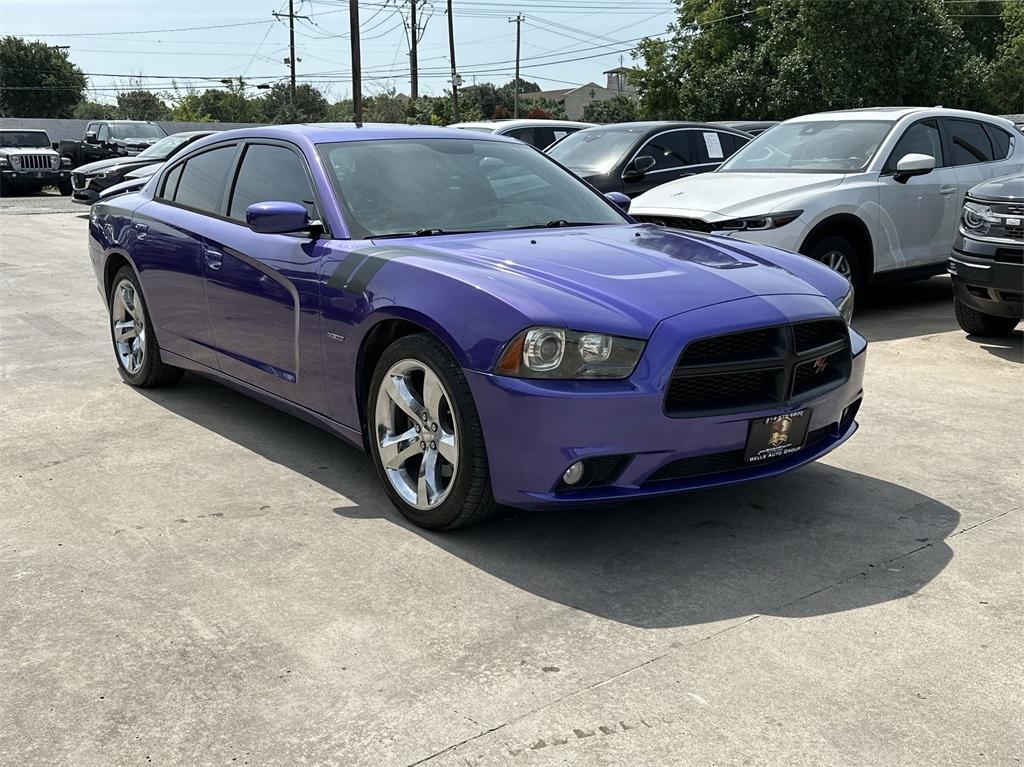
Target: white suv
[870,192]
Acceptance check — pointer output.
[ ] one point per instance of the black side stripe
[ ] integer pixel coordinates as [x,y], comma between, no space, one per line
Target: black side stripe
[359,267]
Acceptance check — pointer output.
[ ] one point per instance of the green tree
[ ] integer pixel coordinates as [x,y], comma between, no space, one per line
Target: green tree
[617,109]
[95,110]
[1006,75]
[37,80]
[310,106]
[141,105]
[388,106]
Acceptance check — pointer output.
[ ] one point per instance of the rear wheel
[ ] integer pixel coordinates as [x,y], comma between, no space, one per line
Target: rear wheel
[425,436]
[135,346]
[980,324]
[838,254]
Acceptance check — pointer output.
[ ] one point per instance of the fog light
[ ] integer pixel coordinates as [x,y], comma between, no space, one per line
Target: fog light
[573,474]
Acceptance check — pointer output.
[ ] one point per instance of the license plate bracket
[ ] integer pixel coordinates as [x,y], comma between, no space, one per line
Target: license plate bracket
[776,436]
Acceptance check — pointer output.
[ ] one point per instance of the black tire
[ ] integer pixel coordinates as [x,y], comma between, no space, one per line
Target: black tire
[980,324]
[64,187]
[469,499]
[823,249]
[153,371]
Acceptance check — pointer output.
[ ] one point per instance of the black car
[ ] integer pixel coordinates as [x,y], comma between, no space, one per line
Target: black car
[89,180]
[753,127]
[987,265]
[635,157]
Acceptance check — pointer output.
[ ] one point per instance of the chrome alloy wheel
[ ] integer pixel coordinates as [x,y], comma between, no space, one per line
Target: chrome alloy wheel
[838,261]
[129,327]
[416,434]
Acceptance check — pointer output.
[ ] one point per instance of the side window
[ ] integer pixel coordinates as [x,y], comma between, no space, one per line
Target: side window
[90,128]
[104,134]
[1000,141]
[171,183]
[671,150]
[731,143]
[543,137]
[970,142]
[920,138]
[203,180]
[270,172]
[523,134]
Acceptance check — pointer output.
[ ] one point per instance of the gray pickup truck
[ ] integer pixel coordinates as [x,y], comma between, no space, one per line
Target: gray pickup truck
[28,162]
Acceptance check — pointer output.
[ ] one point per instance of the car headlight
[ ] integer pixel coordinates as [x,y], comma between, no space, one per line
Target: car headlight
[758,223]
[55,161]
[845,306]
[977,218]
[15,161]
[545,352]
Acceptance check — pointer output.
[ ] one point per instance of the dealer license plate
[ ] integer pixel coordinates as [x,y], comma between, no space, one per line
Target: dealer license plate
[776,436]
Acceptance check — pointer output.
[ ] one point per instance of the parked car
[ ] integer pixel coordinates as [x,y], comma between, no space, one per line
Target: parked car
[872,193]
[753,127]
[633,158]
[538,133]
[987,265]
[89,180]
[526,345]
[111,138]
[28,163]
[133,181]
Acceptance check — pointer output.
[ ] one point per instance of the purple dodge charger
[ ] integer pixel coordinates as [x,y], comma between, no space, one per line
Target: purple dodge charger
[487,326]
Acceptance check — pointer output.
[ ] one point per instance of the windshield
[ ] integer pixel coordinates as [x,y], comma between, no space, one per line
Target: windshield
[165,147]
[402,187]
[815,146]
[138,130]
[596,150]
[24,138]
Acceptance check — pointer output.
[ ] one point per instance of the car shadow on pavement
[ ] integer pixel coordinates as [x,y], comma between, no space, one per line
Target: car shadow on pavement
[905,310]
[816,541]
[1008,348]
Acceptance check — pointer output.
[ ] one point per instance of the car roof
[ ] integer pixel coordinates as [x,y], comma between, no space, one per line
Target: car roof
[328,133]
[513,124]
[653,126]
[22,130]
[895,114]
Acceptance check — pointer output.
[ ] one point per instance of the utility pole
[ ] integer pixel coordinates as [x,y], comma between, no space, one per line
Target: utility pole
[291,43]
[518,20]
[357,72]
[414,33]
[451,54]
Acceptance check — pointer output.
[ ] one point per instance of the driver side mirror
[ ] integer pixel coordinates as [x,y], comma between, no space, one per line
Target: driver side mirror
[911,165]
[277,217]
[90,138]
[639,167]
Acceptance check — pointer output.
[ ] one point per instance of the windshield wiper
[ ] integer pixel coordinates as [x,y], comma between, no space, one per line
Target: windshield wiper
[428,232]
[559,222]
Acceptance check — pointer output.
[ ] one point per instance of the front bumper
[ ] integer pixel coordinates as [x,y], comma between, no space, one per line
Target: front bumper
[988,276]
[86,189]
[39,177]
[534,429]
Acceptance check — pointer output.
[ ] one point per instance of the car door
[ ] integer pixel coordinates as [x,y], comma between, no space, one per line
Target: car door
[262,289]
[916,218]
[979,152]
[168,250]
[93,152]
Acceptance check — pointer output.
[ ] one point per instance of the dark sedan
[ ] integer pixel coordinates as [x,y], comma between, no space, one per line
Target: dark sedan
[635,157]
[89,180]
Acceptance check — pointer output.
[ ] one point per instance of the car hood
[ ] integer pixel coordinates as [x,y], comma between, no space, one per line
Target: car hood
[11,151]
[123,164]
[728,195]
[1003,189]
[616,279]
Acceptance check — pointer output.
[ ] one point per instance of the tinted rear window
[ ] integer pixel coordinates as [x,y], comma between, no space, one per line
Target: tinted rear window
[1000,141]
[204,180]
[970,142]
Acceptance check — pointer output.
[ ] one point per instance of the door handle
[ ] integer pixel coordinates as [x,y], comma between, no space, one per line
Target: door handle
[142,229]
[214,258]
[945,191]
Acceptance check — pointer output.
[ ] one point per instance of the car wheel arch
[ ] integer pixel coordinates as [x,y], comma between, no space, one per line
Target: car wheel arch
[852,228]
[383,332]
[115,259]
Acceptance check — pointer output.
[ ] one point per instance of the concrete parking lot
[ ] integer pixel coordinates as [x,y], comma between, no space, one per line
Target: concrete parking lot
[192,578]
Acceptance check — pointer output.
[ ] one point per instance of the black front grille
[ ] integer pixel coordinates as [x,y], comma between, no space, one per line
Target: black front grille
[1011,210]
[675,222]
[760,368]
[78,180]
[35,161]
[731,460]
[1010,255]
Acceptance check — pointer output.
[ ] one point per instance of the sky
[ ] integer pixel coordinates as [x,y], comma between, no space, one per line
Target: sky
[198,42]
